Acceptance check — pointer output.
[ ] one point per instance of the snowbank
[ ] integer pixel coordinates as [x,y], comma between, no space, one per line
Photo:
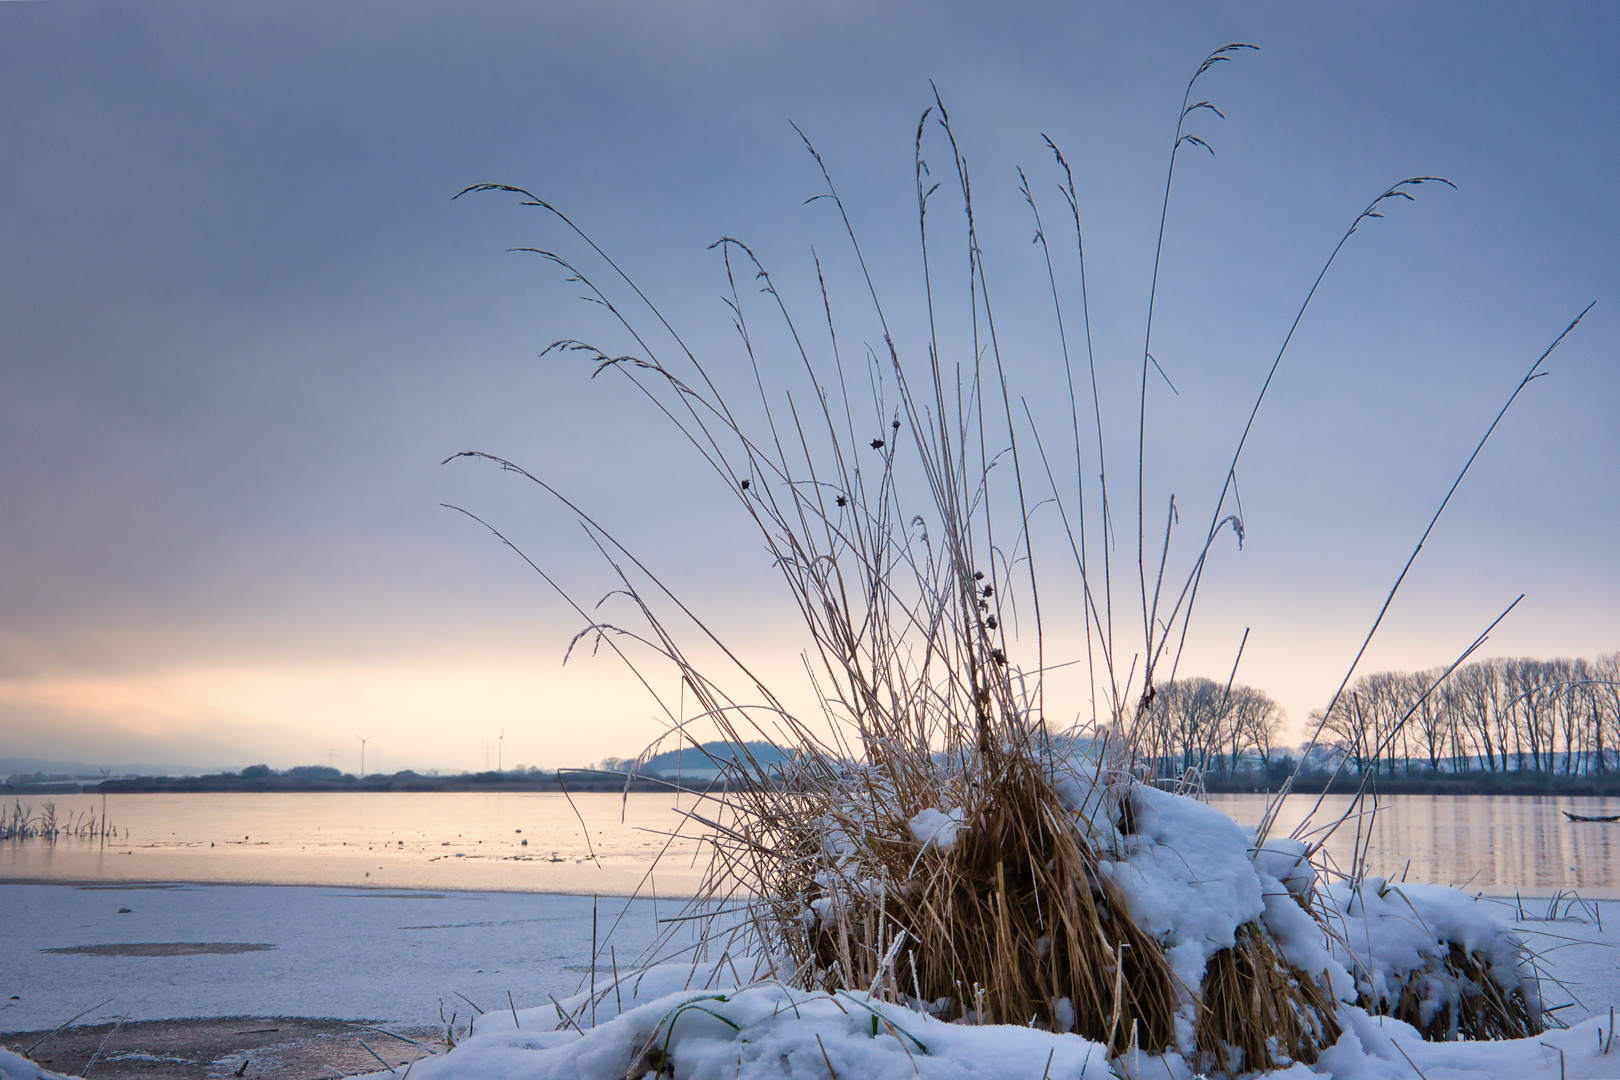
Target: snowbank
[763,1030]
[1428,952]
[775,1038]
[1187,878]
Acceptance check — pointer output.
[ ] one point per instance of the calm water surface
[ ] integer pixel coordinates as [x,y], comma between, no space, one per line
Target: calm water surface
[518,841]
[1498,844]
[436,840]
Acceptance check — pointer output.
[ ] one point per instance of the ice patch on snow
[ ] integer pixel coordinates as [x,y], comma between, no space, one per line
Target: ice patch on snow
[937,828]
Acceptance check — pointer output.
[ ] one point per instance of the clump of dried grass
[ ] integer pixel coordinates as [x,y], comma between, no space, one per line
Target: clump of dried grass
[907,608]
[1455,996]
[1256,1004]
[1008,923]
[924,706]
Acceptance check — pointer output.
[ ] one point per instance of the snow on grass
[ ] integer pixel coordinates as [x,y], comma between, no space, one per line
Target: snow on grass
[1187,878]
[763,1030]
[1390,932]
[1190,876]
[766,1033]
[936,827]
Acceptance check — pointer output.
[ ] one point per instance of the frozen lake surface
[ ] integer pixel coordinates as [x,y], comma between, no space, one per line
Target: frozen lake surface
[393,956]
[350,953]
[476,841]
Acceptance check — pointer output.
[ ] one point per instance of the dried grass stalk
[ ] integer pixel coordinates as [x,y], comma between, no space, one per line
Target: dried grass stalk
[1257,1007]
[1010,923]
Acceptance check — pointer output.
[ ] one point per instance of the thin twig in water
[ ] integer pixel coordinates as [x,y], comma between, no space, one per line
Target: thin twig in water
[104,1040]
[52,1034]
[374,1054]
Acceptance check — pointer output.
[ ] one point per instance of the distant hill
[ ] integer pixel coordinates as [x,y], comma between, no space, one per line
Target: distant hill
[690,763]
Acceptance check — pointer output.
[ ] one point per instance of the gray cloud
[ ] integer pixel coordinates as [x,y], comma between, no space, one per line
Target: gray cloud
[241,321]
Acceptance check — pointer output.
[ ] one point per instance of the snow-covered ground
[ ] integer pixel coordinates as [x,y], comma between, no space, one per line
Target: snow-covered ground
[349,953]
[768,1033]
[1186,873]
[394,955]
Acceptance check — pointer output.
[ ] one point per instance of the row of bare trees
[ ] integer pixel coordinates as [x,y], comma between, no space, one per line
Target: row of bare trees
[1555,717]
[1214,728]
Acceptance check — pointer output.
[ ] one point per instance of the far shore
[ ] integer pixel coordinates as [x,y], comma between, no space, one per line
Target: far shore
[565,781]
[1477,783]
[1512,782]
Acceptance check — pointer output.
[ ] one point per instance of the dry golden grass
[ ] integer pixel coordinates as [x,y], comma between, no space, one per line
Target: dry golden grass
[1483,1010]
[928,700]
[1256,1003]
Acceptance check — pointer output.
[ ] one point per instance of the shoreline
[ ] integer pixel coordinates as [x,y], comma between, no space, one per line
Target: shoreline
[1483,783]
[252,1047]
[413,892]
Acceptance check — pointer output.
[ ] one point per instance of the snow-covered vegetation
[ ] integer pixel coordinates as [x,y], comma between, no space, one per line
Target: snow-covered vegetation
[1380,959]
[946,875]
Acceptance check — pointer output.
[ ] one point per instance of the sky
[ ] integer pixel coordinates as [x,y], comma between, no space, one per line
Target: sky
[242,323]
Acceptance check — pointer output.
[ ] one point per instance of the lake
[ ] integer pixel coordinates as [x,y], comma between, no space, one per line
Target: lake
[535,842]
[509,841]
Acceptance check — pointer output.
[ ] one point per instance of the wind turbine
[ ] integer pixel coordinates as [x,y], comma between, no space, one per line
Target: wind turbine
[363,755]
[500,745]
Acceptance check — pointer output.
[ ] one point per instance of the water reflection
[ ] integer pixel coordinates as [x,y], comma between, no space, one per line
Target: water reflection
[521,841]
[440,840]
[1499,844]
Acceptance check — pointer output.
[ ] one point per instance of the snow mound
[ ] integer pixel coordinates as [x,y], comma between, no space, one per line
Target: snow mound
[765,1032]
[16,1067]
[1186,877]
[761,1032]
[1421,951]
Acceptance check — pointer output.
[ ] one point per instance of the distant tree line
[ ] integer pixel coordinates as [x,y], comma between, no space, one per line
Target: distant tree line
[1552,717]
[1210,727]
[324,778]
[1543,719]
